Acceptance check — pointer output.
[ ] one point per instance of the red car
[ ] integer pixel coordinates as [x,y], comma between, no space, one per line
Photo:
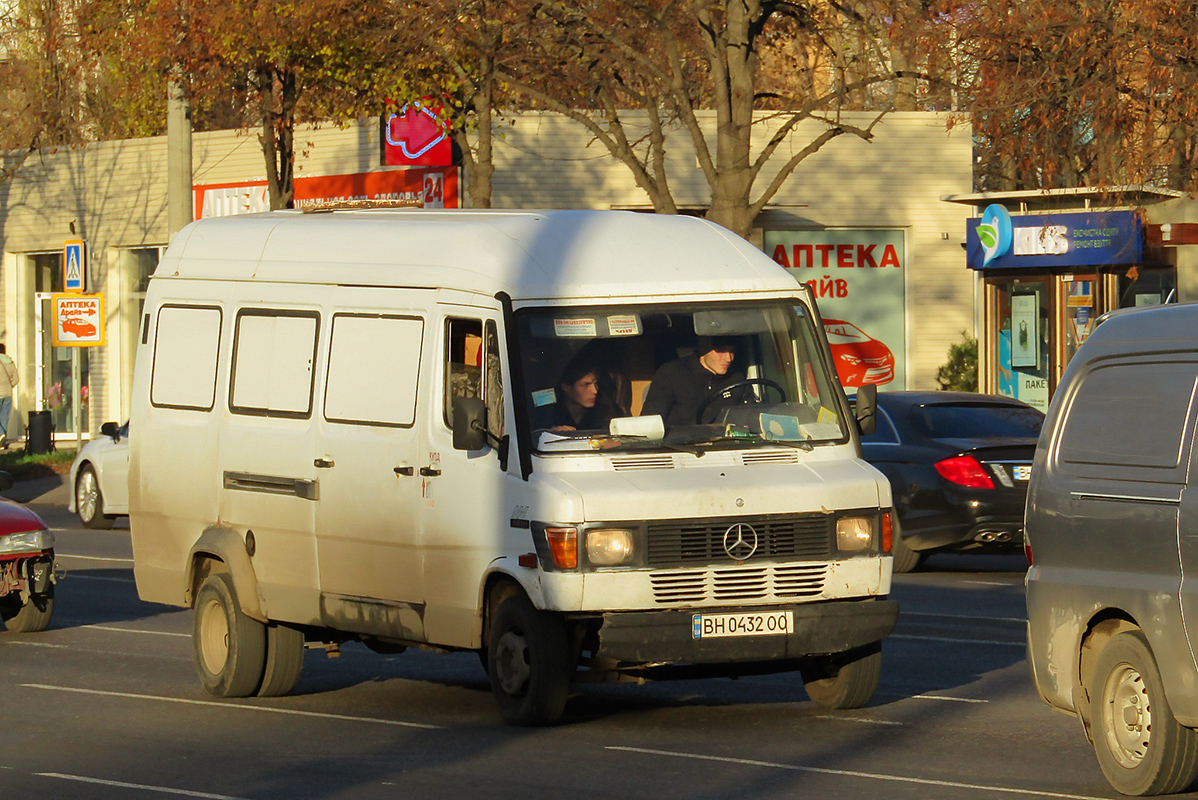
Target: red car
[26,567]
[859,358]
[78,327]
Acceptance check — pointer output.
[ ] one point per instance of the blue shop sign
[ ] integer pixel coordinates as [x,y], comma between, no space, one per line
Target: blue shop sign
[998,240]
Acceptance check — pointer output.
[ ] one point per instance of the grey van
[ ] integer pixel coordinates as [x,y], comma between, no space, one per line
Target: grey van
[1112,530]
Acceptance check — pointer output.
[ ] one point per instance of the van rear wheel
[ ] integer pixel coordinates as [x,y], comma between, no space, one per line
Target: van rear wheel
[230,648]
[1141,747]
[848,680]
[29,617]
[528,661]
[284,661]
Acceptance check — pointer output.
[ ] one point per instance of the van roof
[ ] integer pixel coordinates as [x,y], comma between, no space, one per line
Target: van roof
[531,255]
[1171,322]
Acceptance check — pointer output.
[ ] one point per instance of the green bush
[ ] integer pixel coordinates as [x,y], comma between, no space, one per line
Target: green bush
[23,467]
[960,372]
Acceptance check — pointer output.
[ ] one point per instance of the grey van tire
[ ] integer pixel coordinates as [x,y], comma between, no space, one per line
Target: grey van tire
[284,661]
[905,559]
[230,648]
[30,617]
[1126,679]
[845,681]
[89,501]
[528,661]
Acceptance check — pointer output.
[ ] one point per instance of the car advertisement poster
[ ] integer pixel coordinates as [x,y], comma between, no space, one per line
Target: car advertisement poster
[857,277]
[78,320]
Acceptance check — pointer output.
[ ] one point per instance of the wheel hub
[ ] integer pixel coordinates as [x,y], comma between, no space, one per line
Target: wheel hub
[511,663]
[1129,718]
[86,498]
[214,637]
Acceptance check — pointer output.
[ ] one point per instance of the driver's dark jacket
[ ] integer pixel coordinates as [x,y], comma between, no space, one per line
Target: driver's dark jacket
[680,387]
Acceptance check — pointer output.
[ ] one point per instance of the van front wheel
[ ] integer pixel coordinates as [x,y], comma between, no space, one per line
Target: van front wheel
[845,681]
[528,661]
[1141,747]
[230,648]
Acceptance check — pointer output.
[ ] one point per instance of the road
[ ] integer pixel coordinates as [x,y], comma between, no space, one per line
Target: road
[106,704]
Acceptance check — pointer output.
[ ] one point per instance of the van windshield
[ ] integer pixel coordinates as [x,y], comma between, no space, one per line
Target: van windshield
[664,377]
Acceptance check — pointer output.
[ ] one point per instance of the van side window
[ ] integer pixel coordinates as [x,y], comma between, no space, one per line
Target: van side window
[186,346]
[463,362]
[273,357]
[1114,421]
[494,383]
[374,364]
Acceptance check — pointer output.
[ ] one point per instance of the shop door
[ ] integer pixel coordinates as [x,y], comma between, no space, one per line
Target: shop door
[61,375]
[1080,308]
[1021,347]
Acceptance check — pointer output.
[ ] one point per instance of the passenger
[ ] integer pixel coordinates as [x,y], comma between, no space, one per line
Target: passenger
[681,387]
[580,405]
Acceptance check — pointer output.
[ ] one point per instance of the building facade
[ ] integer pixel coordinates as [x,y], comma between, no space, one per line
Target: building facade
[861,222]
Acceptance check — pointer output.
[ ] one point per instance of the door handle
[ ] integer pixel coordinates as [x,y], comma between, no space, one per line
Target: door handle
[323,463]
[429,472]
[404,470]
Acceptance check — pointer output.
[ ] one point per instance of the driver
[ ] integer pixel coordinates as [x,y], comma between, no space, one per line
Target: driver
[680,387]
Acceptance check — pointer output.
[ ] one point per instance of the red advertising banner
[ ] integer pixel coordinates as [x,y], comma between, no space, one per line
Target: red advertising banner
[416,137]
[432,188]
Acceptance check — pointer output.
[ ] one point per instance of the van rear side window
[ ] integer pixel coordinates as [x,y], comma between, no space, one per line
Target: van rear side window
[186,345]
[1114,421]
[374,364]
[273,357]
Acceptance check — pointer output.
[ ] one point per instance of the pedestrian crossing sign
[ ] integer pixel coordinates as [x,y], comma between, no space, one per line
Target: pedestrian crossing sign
[73,266]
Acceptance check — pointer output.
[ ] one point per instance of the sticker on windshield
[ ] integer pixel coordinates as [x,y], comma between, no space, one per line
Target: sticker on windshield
[544,397]
[571,328]
[626,325]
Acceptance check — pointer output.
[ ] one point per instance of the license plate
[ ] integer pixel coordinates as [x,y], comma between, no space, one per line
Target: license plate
[1023,473]
[766,623]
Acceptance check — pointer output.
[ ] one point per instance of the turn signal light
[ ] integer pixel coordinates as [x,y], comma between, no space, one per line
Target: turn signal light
[563,545]
[964,471]
[887,532]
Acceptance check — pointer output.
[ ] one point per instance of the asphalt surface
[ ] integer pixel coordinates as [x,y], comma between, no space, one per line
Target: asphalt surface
[106,704]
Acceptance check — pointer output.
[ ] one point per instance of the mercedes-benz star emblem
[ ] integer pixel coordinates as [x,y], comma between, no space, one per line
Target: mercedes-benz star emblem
[740,541]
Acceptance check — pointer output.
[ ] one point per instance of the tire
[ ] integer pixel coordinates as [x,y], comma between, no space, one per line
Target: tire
[905,559]
[32,617]
[89,502]
[1140,745]
[284,661]
[230,648]
[528,661]
[845,681]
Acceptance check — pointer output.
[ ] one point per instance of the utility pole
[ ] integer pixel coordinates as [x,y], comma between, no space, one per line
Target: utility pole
[178,160]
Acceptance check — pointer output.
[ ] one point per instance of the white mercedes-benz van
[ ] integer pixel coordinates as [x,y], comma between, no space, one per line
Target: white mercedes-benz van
[350,428]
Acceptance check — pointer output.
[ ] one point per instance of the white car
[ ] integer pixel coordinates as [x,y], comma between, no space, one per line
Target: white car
[100,478]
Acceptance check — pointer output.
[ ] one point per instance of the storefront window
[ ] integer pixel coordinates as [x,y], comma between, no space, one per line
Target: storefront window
[1147,287]
[1081,298]
[1023,357]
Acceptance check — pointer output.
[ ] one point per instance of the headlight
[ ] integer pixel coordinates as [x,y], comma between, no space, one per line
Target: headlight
[854,534]
[29,541]
[609,548]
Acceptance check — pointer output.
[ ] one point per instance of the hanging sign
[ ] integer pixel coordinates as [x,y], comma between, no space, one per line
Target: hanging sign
[73,254]
[78,320]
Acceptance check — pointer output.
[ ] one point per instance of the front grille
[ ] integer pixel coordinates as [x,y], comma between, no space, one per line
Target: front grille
[793,537]
[767,583]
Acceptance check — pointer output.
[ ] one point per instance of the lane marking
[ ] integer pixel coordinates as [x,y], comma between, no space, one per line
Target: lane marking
[960,616]
[865,720]
[133,630]
[878,776]
[39,644]
[954,641]
[211,703]
[94,558]
[944,697]
[75,577]
[144,786]
[994,583]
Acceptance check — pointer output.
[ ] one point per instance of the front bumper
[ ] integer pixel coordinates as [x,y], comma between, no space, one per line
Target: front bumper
[665,637]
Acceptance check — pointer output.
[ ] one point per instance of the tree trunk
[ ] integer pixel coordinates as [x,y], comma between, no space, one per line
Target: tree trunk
[278,134]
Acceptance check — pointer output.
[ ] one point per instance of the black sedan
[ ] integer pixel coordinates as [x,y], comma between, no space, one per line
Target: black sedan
[958,465]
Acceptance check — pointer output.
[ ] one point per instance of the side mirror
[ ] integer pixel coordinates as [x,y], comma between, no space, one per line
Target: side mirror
[112,430]
[867,409]
[469,423]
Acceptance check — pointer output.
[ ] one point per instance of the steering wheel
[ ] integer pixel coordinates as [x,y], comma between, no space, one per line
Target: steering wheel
[727,391]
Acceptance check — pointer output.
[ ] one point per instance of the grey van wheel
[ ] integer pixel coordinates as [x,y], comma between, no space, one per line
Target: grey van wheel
[528,661]
[89,502]
[1140,745]
[846,681]
[230,648]
[284,661]
[30,617]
